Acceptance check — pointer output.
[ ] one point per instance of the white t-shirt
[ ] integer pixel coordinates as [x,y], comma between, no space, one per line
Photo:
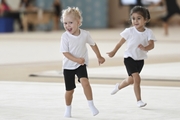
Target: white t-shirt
[133,38]
[75,45]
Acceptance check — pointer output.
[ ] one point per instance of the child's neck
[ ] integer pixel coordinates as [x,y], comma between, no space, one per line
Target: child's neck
[141,29]
[77,32]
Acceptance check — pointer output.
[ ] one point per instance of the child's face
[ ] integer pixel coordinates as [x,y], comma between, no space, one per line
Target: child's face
[138,21]
[71,24]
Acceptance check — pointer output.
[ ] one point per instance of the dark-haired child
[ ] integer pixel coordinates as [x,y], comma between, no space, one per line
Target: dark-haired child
[139,41]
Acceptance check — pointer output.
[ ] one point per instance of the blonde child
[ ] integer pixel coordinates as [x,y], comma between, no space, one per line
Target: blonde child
[139,41]
[73,47]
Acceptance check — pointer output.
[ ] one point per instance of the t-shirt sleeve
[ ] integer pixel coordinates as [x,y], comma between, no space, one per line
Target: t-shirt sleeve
[151,36]
[90,41]
[64,44]
[125,34]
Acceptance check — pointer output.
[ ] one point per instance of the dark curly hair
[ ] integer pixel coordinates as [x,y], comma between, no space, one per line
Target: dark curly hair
[142,11]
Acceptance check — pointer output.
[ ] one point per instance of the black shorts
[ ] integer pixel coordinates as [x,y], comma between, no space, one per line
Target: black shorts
[133,66]
[169,15]
[69,76]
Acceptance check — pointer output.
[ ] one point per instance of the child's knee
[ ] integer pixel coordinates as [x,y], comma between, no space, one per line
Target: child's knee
[130,80]
[85,82]
[69,92]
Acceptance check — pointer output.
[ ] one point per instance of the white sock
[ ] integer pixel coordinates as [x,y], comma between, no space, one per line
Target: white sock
[67,111]
[93,109]
[116,89]
[140,103]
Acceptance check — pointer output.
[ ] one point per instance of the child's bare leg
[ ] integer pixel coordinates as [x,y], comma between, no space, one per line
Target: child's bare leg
[123,84]
[68,99]
[128,81]
[137,89]
[88,93]
[87,88]
[165,25]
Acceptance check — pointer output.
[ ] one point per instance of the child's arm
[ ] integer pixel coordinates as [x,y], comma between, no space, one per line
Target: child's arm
[72,58]
[113,52]
[101,60]
[148,47]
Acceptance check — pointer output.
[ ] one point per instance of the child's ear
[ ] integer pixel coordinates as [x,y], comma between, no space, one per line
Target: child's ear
[147,20]
[79,23]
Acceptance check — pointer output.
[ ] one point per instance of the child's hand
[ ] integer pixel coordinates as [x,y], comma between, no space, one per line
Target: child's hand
[142,47]
[80,61]
[101,60]
[110,54]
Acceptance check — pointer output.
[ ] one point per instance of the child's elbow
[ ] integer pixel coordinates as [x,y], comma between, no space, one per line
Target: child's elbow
[152,47]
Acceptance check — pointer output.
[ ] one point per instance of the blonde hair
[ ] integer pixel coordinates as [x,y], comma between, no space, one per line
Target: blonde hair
[72,11]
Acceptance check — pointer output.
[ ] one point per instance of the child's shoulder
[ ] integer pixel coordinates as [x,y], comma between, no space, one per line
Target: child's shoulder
[148,30]
[129,29]
[84,31]
[65,35]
